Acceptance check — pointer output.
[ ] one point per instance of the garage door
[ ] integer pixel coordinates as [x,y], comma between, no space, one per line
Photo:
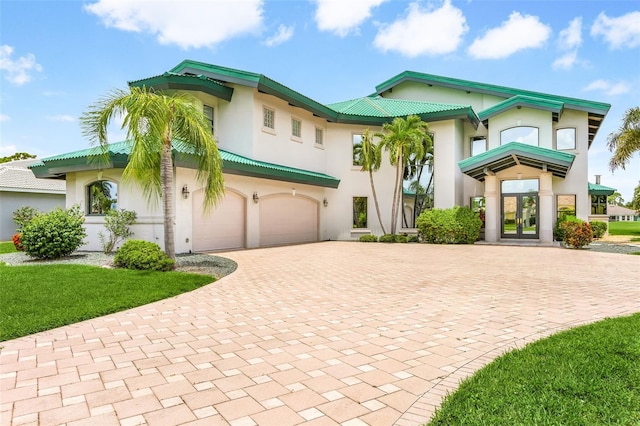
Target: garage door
[223,228]
[285,219]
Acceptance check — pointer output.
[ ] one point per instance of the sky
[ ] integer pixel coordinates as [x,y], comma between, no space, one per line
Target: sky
[59,57]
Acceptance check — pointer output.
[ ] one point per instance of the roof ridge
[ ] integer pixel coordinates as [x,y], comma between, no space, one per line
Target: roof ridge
[376,106]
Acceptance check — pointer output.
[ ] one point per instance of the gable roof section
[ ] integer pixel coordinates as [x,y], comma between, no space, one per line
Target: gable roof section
[21,179]
[597,189]
[519,101]
[58,166]
[516,153]
[596,110]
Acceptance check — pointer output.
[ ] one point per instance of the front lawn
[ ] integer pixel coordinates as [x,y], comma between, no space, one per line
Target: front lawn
[41,297]
[624,228]
[7,247]
[586,376]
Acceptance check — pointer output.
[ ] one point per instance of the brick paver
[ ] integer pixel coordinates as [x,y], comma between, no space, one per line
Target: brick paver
[328,333]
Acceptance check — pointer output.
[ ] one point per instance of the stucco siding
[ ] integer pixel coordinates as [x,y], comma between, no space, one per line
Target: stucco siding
[11,201]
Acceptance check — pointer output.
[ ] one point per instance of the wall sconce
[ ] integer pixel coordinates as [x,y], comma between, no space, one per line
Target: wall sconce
[325,202]
[293,192]
[255,197]
[519,175]
[185,192]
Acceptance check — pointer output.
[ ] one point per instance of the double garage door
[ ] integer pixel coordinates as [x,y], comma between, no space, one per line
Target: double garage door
[283,219]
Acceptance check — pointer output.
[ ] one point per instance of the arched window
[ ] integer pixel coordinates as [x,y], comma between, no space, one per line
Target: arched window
[523,134]
[102,196]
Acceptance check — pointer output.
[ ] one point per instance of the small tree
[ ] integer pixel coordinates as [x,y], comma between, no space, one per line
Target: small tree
[117,223]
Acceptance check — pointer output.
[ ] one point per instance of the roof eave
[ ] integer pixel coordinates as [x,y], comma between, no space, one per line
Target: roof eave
[168,81]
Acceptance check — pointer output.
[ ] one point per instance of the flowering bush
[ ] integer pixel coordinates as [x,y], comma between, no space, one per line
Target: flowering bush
[577,234]
[17,241]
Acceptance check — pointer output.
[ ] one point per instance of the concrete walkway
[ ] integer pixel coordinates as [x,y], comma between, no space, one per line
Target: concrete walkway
[321,334]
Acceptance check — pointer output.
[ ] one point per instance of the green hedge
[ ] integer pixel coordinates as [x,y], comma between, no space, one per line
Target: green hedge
[55,234]
[457,225]
[143,255]
[599,228]
[368,238]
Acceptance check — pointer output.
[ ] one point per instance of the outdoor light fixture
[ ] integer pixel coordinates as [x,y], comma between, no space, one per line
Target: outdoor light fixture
[325,202]
[255,197]
[185,192]
[293,192]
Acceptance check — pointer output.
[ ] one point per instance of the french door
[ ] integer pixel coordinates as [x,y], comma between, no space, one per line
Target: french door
[520,216]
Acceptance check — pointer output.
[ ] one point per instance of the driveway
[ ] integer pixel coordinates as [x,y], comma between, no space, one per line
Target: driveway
[322,334]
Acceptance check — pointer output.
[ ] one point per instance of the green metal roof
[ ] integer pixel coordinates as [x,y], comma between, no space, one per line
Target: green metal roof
[173,81]
[516,153]
[377,106]
[596,189]
[57,166]
[518,101]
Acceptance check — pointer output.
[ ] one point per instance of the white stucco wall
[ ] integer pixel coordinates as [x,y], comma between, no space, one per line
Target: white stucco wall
[11,201]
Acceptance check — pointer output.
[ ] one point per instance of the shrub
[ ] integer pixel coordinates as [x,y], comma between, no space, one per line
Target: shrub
[143,255]
[577,234]
[599,228]
[387,238]
[17,241]
[558,229]
[401,238]
[23,216]
[413,238]
[55,234]
[457,225]
[369,238]
[117,223]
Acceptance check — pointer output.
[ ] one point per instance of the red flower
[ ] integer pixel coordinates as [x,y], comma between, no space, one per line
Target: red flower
[17,241]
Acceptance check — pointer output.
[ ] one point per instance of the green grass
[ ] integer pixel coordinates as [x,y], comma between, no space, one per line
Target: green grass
[586,376]
[624,228]
[7,247]
[41,297]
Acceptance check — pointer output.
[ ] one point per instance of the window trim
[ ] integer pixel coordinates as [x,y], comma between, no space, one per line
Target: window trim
[354,165]
[519,127]
[315,140]
[212,121]
[294,137]
[89,198]
[353,212]
[478,138]
[575,139]
[265,128]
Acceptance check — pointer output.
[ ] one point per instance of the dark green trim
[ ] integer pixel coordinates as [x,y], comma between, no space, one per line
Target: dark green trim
[595,189]
[519,101]
[172,81]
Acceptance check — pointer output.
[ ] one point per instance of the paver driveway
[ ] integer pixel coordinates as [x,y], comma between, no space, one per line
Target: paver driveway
[327,333]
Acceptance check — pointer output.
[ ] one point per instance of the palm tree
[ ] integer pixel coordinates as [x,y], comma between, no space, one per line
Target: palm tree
[626,141]
[403,138]
[153,120]
[367,155]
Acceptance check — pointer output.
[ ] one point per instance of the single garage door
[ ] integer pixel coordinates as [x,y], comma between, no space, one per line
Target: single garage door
[223,228]
[285,219]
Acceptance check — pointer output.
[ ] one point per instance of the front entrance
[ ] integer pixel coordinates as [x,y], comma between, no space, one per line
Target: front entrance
[519,209]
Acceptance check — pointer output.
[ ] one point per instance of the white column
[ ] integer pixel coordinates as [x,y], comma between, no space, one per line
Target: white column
[546,213]
[492,213]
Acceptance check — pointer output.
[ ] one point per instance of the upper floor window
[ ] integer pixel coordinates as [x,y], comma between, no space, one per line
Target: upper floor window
[296,127]
[319,136]
[523,134]
[478,145]
[566,138]
[102,196]
[209,115]
[357,148]
[268,118]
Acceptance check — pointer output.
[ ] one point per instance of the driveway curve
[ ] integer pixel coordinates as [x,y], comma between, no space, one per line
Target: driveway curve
[321,334]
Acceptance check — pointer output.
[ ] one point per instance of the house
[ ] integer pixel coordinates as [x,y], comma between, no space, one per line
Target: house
[288,160]
[622,214]
[20,188]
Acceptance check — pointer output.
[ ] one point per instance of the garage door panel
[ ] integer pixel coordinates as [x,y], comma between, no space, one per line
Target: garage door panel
[223,227]
[288,220]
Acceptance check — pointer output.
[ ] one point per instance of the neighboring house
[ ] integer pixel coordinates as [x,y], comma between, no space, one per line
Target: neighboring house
[290,175]
[622,214]
[19,188]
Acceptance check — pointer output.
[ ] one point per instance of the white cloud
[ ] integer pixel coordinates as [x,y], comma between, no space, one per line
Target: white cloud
[571,37]
[61,117]
[4,117]
[566,61]
[283,34]
[425,31]
[188,24]
[608,88]
[623,31]
[342,17]
[17,71]
[517,33]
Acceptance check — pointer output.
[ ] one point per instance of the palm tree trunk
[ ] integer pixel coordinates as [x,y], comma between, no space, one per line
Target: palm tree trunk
[375,201]
[415,197]
[394,205]
[166,180]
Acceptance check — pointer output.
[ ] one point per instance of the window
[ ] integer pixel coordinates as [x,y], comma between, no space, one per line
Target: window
[357,148]
[523,134]
[566,139]
[598,204]
[268,118]
[478,205]
[566,205]
[208,113]
[359,212]
[519,186]
[478,145]
[102,196]
[319,137]
[296,128]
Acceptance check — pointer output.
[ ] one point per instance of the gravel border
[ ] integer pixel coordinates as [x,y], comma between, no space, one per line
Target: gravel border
[196,263]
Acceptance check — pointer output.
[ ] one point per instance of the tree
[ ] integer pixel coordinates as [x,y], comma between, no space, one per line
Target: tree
[154,121]
[403,139]
[615,199]
[626,141]
[367,154]
[17,156]
[635,202]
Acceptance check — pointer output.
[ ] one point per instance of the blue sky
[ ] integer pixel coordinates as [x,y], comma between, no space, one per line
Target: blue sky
[57,57]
